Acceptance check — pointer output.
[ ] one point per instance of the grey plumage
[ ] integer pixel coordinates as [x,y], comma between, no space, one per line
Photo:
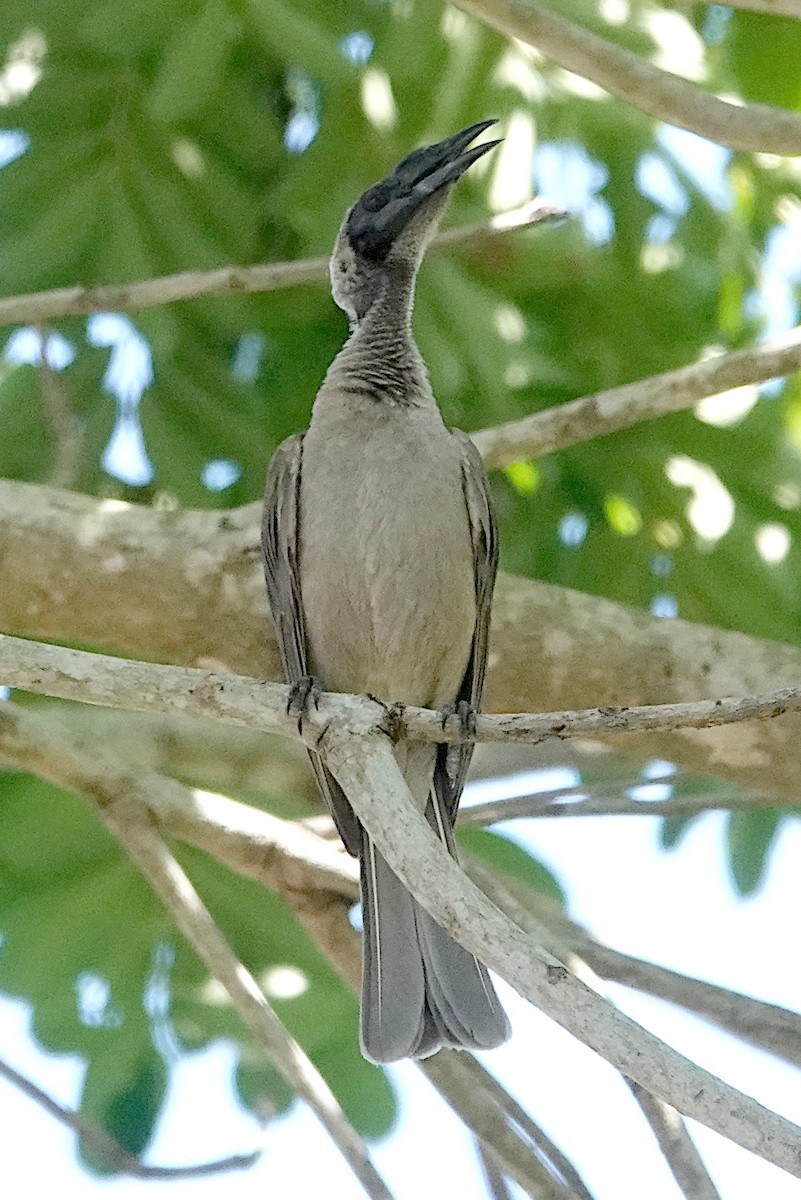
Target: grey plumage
[380,557]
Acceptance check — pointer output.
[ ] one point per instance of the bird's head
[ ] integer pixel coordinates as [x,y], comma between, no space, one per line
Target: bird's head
[385,233]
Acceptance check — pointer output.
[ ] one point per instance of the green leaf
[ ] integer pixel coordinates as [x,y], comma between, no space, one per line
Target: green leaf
[73,905]
[510,859]
[193,65]
[750,836]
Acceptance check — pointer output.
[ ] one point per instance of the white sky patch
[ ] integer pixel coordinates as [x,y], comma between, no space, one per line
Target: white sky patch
[727,408]
[773,543]
[705,162]
[25,346]
[787,495]
[510,323]
[378,101]
[615,12]
[516,70]
[512,183]
[679,48]
[526,783]
[711,509]
[284,982]
[23,67]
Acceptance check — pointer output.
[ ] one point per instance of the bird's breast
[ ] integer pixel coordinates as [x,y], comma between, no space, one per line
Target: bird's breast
[386,561]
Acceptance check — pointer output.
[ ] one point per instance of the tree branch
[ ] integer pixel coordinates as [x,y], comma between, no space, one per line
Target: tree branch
[187,691]
[187,587]
[316,877]
[574,802]
[676,1145]
[36,307]
[370,777]
[114,1155]
[320,882]
[773,8]
[619,408]
[517,1115]
[308,867]
[766,1026]
[457,1076]
[124,809]
[64,427]
[654,91]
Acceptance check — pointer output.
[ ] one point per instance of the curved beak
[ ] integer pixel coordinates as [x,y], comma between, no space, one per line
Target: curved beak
[381,214]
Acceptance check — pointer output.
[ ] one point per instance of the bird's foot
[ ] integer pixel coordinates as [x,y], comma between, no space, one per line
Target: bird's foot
[303,693]
[466,715]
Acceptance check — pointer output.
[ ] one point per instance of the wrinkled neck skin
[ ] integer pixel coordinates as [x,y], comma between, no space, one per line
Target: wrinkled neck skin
[380,358]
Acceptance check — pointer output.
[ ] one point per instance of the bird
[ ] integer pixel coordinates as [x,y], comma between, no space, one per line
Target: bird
[380,553]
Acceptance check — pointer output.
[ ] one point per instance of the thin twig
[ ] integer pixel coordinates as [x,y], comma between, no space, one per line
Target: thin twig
[188,691]
[652,90]
[469,1090]
[574,802]
[546,1150]
[109,1150]
[494,1178]
[676,1145]
[773,8]
[64,427]
[264,277]
[605,412]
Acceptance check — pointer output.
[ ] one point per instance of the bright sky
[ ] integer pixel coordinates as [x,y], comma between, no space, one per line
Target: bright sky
[677,909]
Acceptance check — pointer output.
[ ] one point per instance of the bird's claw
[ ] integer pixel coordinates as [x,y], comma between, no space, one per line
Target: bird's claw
[303,693]
[467,718]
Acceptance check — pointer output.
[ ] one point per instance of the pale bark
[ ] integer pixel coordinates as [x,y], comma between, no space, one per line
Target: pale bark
[112,1153]
[123,801]
[187,587]
[621,407]
[36,307]
[654,91]
[370,777]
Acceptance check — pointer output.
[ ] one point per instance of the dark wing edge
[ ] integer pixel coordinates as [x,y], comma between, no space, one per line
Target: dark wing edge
[279,541]
[453,762]
[280,553]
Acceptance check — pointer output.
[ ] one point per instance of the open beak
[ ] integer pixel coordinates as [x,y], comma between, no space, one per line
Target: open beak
[381,214]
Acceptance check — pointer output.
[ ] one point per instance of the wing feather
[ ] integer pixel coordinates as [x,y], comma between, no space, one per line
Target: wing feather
[452,762]
[281,555]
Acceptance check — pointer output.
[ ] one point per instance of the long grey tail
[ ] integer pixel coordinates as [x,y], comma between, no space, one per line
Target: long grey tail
[420,989]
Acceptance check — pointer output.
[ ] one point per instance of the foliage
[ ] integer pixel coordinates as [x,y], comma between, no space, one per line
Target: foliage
[188,134]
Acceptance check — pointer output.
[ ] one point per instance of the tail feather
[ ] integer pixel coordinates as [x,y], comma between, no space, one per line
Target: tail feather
[420,989]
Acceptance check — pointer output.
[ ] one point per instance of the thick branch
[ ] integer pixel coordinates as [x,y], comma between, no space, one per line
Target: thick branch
[766,1026]
[107,1148]
[367,770]
[652,90]
[187,587]
[619,408]
[267,277]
